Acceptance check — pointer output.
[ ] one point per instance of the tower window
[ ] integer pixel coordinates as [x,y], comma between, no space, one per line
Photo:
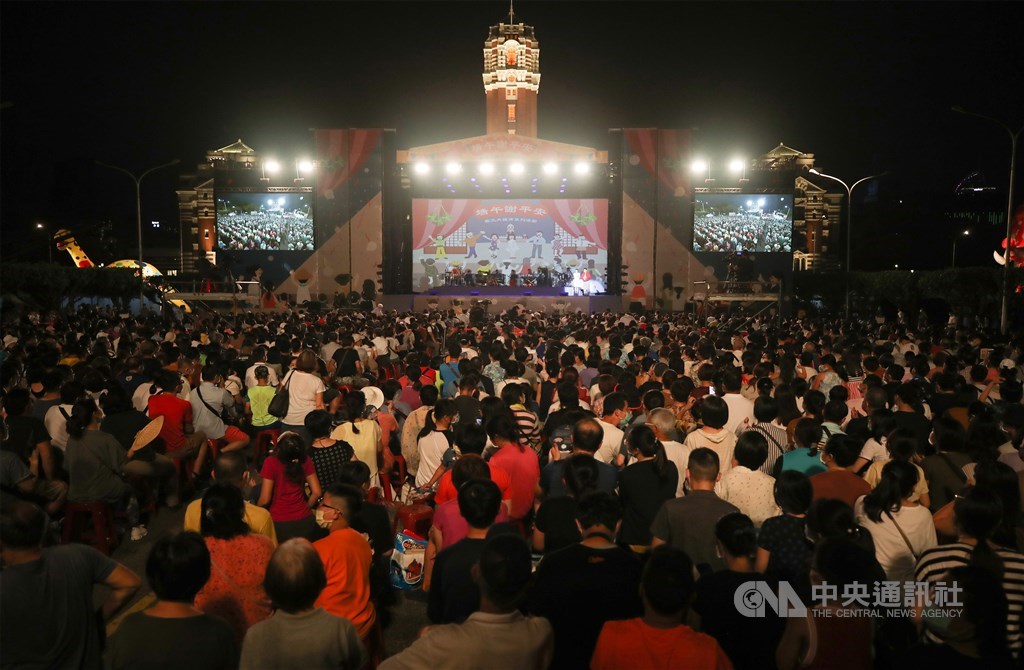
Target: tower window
[511,113]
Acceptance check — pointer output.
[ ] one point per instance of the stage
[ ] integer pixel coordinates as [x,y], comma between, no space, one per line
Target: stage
[501,298]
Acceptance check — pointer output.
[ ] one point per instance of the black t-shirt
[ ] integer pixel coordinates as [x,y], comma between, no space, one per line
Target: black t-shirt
[144,642]
[24,433]
[748,642]
[124,426]
[578,589]
[561,418]
[643,494]
[345,362]
[468,408]
[556,518]
[131,381]
[373,520]
[552,485]
[453,593]
[917,424]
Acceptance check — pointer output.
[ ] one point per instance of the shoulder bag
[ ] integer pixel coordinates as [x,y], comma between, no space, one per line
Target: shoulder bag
[279,403]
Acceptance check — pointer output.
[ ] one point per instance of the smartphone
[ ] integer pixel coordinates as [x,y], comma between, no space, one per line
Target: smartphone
[711,390]
[479,421]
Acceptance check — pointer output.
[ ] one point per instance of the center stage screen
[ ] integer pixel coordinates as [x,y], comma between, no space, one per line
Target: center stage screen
[514,243]
[265,221]
[734,222]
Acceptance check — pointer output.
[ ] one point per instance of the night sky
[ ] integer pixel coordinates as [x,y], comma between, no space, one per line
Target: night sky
[866,87]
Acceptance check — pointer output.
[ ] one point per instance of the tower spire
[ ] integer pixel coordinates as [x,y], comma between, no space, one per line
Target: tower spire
[511,13]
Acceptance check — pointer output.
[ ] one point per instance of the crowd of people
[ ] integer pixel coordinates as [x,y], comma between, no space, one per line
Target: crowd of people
[606,490]
[768,233]
[275,230]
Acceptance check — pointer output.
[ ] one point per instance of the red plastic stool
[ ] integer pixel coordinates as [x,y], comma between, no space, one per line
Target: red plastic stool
[374,644]
[263,440]
[102,536]
[416,518]
[184,465]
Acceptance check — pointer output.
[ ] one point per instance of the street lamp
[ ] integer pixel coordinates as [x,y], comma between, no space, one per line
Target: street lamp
[965,233]
[49,241]
[1004,316]
[138,211]
[849,221]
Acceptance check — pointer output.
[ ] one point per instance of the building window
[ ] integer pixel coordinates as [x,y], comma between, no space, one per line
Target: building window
[511,113]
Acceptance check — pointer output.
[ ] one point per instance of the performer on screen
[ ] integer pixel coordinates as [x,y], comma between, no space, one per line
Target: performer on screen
[471,241]
[557,246]
[439,247]
[525,268]
[510,231]
[538,245]
[494,246]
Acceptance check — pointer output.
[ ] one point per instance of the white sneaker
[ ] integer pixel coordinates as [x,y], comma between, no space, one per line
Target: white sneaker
[139,532]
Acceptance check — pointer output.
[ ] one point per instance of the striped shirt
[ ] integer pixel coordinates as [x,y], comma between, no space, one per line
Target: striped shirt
[936,562]
[776,437]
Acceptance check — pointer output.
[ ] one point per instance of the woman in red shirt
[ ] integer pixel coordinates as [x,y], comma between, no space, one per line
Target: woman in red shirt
[515,458]
[238,560]
[286,475]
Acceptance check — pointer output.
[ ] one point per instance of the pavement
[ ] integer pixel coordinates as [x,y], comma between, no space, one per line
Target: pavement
[402,623]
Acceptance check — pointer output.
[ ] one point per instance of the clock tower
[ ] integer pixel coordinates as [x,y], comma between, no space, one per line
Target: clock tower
[511,78]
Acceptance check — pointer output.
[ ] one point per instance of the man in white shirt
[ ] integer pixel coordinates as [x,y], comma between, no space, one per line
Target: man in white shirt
[745,485]
[663,422]
[259,357]
[332,345]
[741,410]
[614,414]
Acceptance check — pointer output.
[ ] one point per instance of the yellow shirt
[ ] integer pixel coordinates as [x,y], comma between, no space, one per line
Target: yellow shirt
[257,518]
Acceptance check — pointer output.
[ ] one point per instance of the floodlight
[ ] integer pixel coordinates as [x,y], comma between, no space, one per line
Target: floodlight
[305,166]
[517,168]
[453,168]
[421,168]
[272,166]
[698,166]
[736,165]
[550,168]
[581,168]
[486,168]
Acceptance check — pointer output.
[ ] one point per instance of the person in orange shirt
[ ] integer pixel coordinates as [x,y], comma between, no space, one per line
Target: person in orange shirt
[659,639]
[346,556]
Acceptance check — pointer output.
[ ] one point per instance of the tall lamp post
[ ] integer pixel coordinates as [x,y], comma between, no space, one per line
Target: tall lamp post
[138,211]
[964,233]
[1004,316]
[49,241]
[849,220]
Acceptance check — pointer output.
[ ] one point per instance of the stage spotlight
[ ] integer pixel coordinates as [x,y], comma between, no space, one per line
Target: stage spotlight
[272,166]
[305,166]
[550,168]
[453,168]
[698,166]
[736,165]
[581,168]
[486,168]
[517,168]
[421,168]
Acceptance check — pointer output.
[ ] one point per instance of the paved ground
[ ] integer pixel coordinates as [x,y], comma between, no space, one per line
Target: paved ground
[403,625]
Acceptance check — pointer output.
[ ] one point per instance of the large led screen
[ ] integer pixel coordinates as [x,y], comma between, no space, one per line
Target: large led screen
[732,222]
[265,221]
[514,243]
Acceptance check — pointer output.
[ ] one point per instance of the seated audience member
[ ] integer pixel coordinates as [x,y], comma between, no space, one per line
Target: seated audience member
[26,435]
[453,596]
[124,422]
[300,634]
[688,523]
[838,481]
[585,439]
[229,469]
[901,446]
[977,515]
[19,483]
[748,642]
[782,547]
[181,439]
[238,558]
[555,525]
[47,612]
[805,457]
[346,557]
[644,486]
[901,529]
[496,635]
[663,422]
[712,434]
[585,584]
[745,485]
[471,441]
[836,634]
[660,639]
[173,633]
[328,454]
[286,472]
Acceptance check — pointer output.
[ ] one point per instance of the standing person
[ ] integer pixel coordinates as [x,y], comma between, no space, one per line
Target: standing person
[712,434]
[588,582]
[285,476]
[751,490]
[433,442]
[644,486]
[766,413]
[305,393]
[520,463]
[659,639]
[347,557]
[688,523]
[47,611]
[496,635]
[838,481]
[362,432]
[805,457]
[555,525]
[327,453]
[294,580]
[782,546]
[176,569]
[901,529]
[238,557]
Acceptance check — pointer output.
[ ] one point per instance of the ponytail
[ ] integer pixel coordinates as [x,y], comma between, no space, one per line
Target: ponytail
[643,440]
[291,451]
[443,408]
[898,482]
[81,416]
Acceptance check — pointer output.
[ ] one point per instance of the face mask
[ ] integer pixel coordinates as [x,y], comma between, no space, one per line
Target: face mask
[627,419]
[321,521]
